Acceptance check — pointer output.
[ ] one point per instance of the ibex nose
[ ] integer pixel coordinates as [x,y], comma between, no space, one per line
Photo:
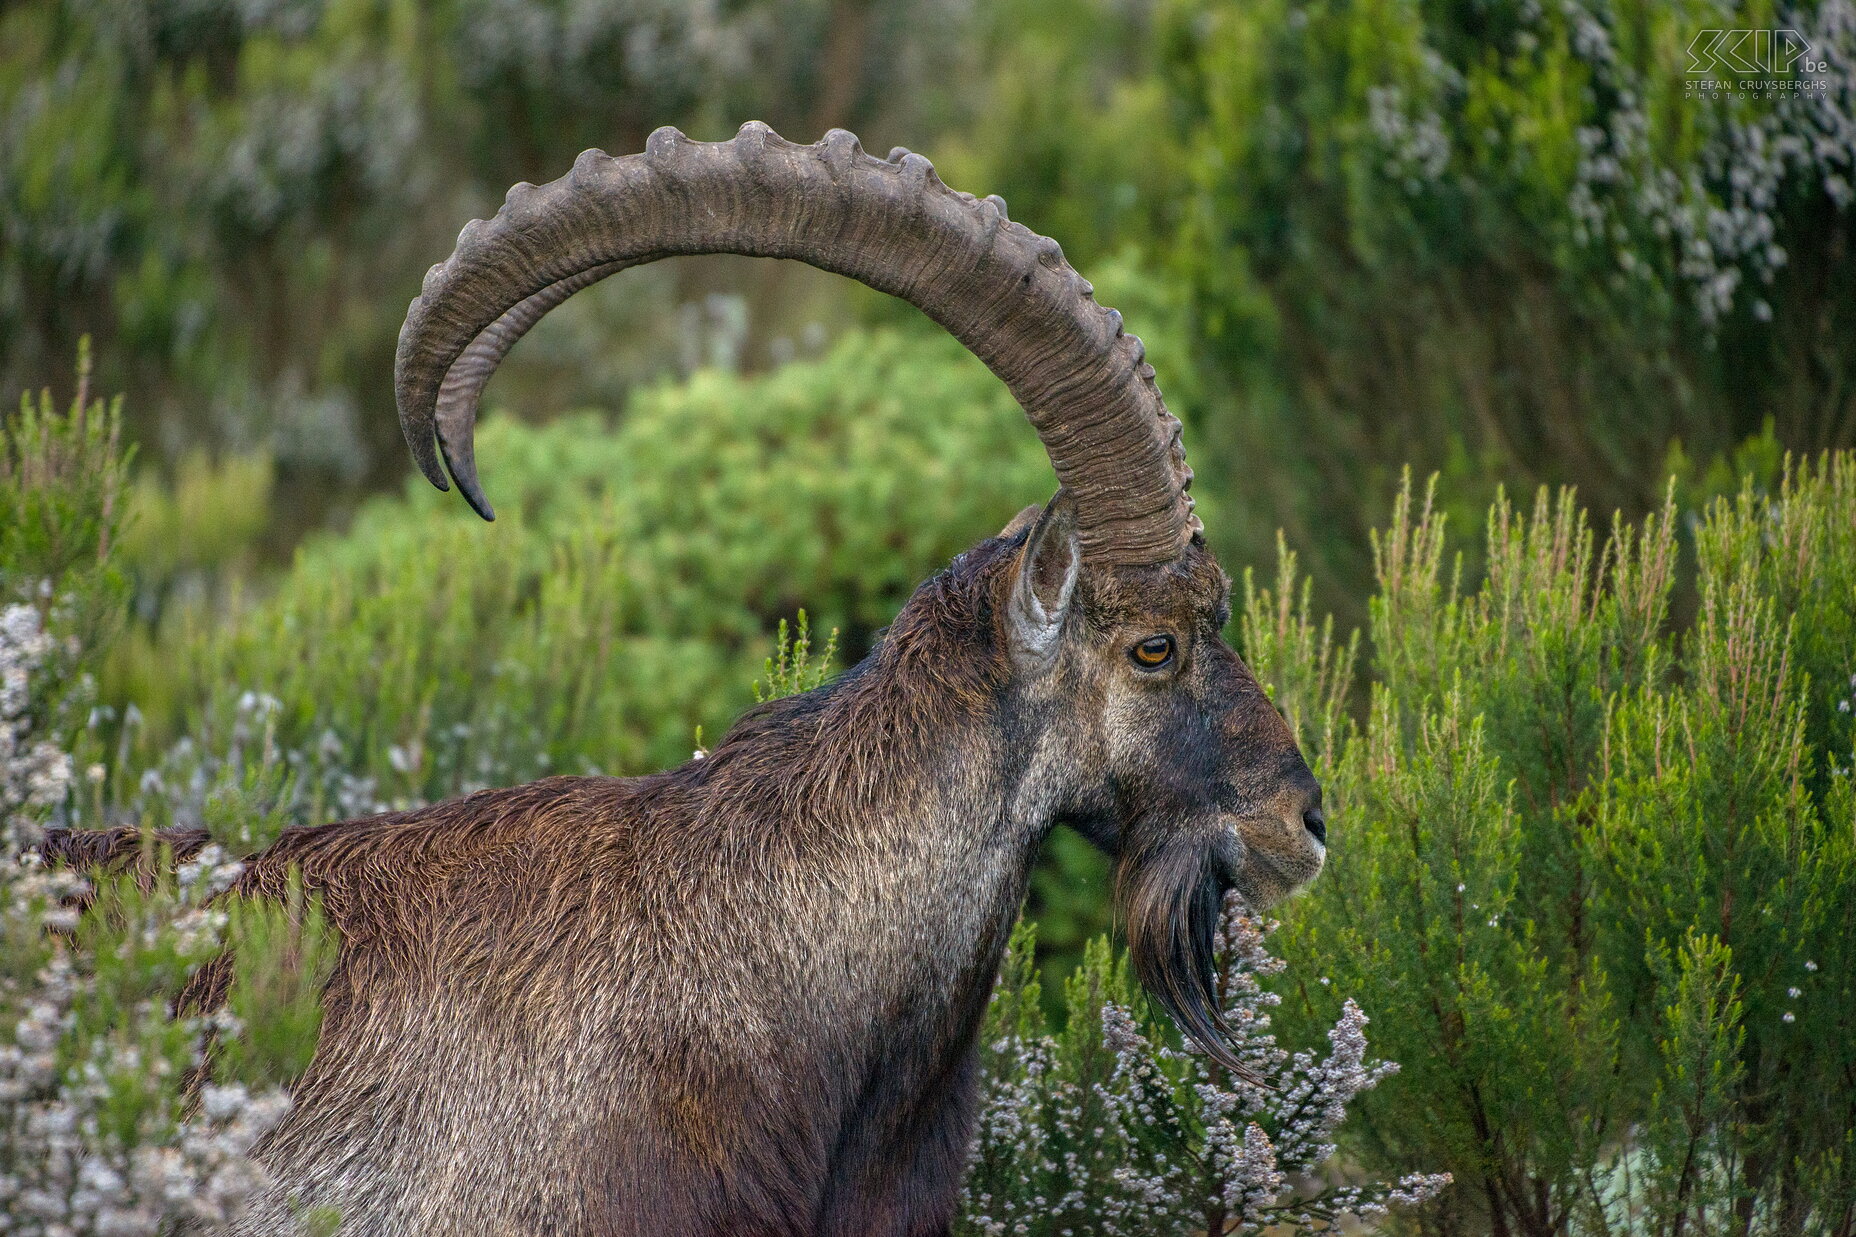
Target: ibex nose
[1313,818]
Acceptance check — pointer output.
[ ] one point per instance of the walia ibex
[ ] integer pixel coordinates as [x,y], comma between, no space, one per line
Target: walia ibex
[741,996]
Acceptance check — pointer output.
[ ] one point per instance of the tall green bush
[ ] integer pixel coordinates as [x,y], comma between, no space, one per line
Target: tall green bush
[1597,875]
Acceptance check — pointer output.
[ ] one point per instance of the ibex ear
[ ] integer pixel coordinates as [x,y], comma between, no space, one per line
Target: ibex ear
[1020,522]
[1047,573]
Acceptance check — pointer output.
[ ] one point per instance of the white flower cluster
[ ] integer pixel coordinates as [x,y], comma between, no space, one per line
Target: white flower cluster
[68,1169]
[1417,148]
[1012,1131]
[96,1146]
[1718,213]
[1708,222]
[1162,1141]
[34,773]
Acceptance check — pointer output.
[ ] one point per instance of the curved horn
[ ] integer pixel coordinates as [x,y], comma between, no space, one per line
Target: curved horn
[1001,289]
[456,411]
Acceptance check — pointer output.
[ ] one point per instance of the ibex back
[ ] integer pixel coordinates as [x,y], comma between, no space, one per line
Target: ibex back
[741,997]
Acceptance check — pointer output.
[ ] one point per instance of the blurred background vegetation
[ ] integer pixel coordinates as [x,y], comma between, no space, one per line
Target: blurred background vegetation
[1504,240]
[1512,244]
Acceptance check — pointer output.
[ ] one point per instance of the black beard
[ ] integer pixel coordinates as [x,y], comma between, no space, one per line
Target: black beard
[1171,888]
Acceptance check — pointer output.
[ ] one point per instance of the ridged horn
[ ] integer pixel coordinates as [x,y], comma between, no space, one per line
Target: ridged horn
[458,398]
[1002,290]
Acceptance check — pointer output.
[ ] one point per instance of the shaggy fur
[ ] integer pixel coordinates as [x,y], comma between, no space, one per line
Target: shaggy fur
[740,997]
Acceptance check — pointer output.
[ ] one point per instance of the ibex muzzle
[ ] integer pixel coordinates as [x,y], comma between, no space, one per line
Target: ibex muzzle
[741,996]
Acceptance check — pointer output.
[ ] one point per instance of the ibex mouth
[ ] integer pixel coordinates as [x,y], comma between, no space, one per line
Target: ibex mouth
[1280,858]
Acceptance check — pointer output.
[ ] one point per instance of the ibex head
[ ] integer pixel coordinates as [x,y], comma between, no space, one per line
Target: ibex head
[1127,714]
[1162,746]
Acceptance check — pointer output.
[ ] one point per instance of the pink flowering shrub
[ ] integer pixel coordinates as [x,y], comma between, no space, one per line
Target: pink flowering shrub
[1109,1127]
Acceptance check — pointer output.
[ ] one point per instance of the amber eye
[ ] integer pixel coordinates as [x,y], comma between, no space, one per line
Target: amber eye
[1153,652]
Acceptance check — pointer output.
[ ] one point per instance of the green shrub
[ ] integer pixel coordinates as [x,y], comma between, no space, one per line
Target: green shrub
[631,579]
[1595,873]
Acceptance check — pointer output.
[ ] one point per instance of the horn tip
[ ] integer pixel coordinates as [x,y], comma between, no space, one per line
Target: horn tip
[461,458]
[464,472]
[429,467]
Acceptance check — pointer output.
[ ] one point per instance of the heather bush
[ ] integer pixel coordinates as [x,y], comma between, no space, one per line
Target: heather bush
[1109,1127]
[1593,863]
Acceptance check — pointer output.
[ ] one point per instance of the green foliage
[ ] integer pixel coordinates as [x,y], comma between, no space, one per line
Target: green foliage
[791,669]
[283,954]
[61,478]
[1596,871]
[1695,1120]
[623,595]
[205,519]
[1525,243]
[60,475]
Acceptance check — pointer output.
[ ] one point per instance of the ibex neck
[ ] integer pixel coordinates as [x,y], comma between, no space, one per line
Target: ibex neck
[892,815]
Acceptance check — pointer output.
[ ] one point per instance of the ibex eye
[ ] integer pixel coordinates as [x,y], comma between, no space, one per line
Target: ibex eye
[1153,652]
